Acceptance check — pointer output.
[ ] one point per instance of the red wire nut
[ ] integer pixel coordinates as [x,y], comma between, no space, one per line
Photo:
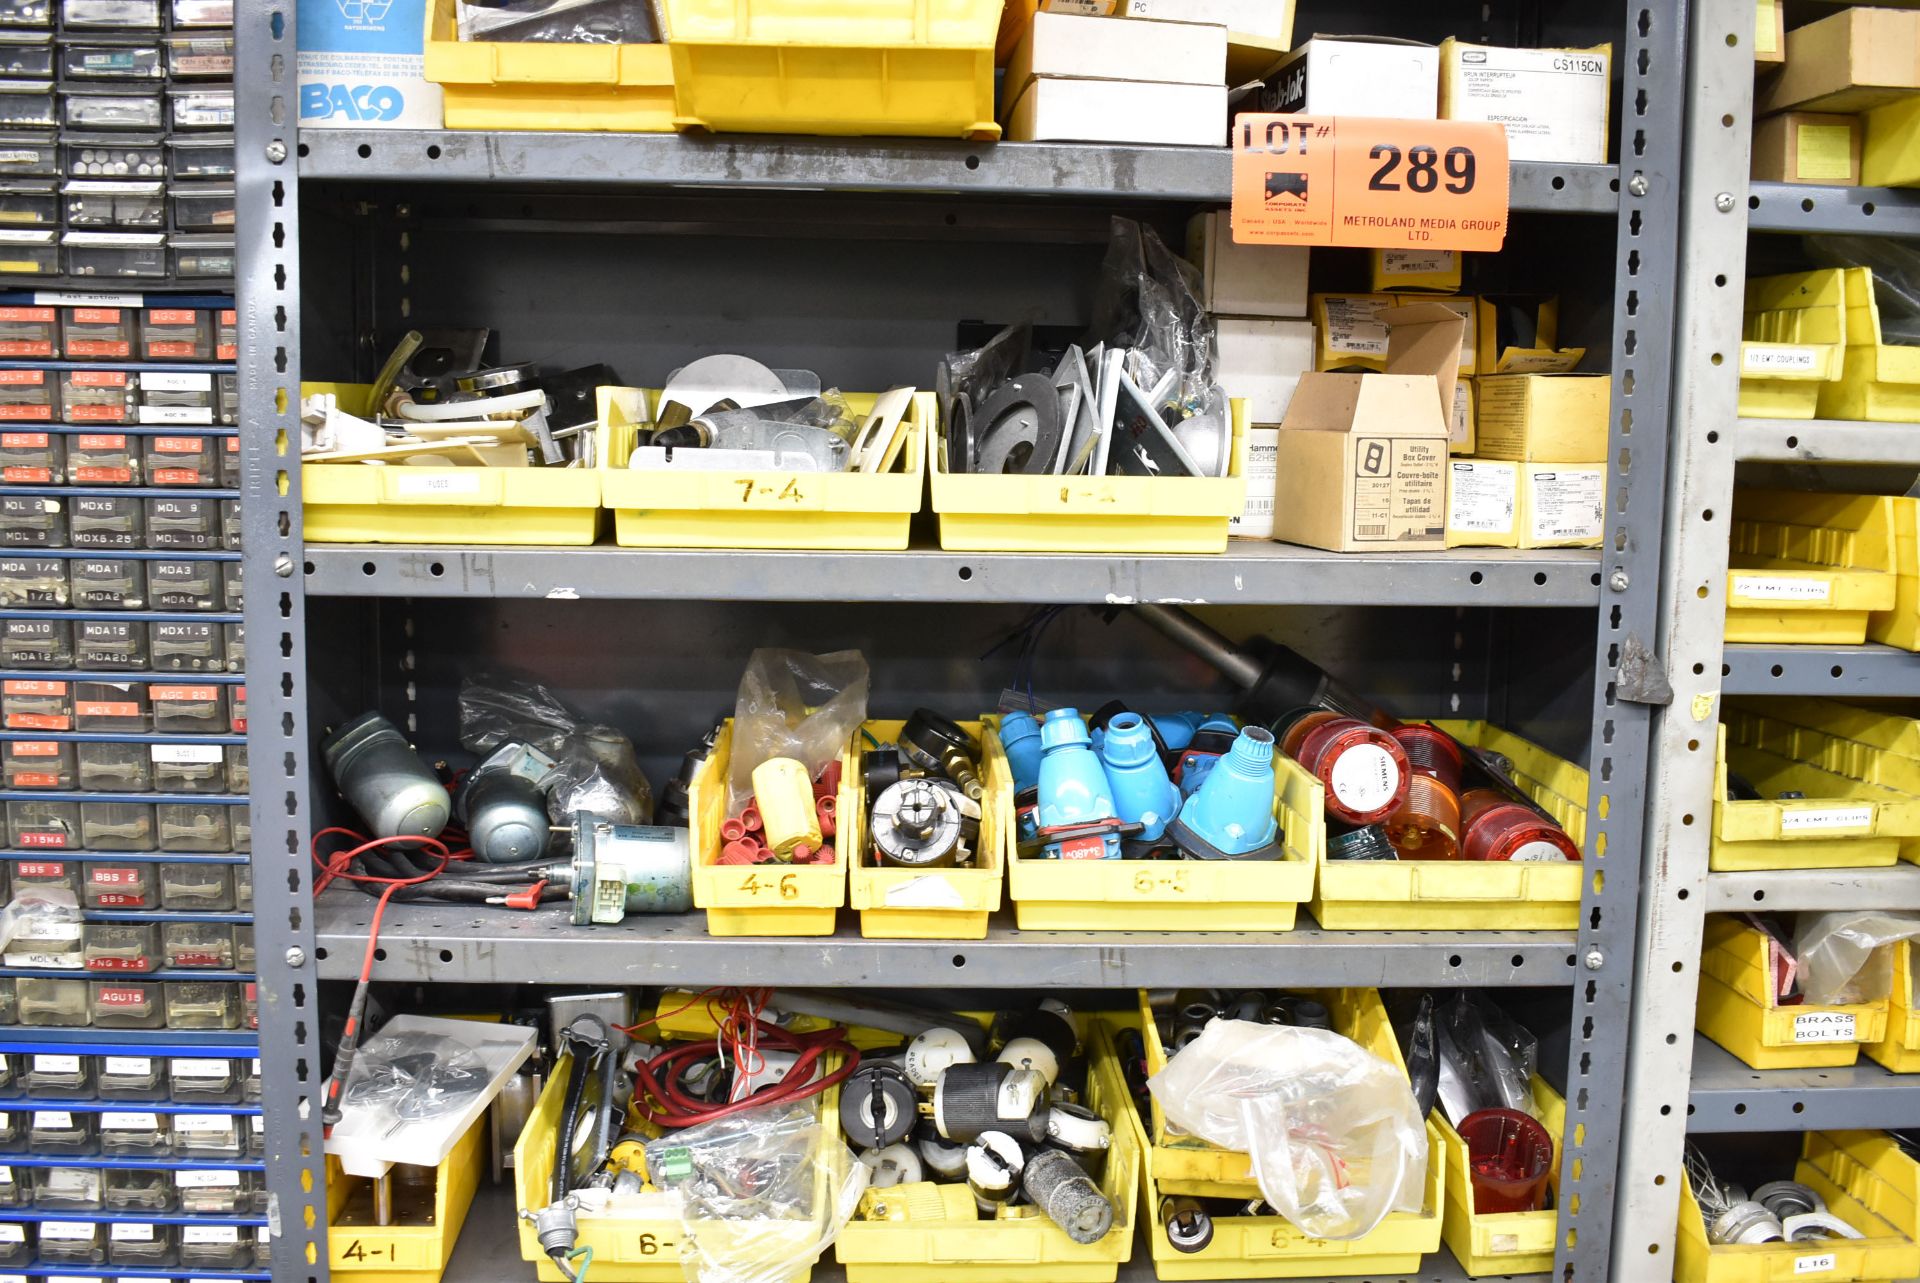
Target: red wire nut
[829,781]
[751,818]
[732,830]
[825,808]
[740,851]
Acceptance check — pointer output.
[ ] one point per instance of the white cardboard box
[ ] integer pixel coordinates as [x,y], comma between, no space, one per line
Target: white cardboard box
[1355,76]
[364,66]
[1553,102]
[1118,111]
[1263,465]
[1245,280]
[1266,18]
[1087,47]
[1261,360]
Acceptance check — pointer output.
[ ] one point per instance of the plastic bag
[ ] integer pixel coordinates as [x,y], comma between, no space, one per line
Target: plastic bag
[1491,1058]
[594,766]
[40,913]
[1844,956]
[764,1192]
[1336,1139]
[600,22]
[792,704]
[1148,300]
[1896,277]
[1420,1048]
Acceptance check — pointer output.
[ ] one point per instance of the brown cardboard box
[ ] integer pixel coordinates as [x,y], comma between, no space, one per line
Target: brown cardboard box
[1542,418]
[1807,147]
[1519,333]
[1769,34]
[1363,457]
[1855,59]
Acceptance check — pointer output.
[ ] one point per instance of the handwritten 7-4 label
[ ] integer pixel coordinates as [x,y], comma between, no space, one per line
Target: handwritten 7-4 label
[1387,184]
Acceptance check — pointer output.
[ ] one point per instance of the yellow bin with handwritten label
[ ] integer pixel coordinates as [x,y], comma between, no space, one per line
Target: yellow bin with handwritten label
[417,1249]
[731,508]
[989,512]
[934,904]
[1807,567]
[763,899]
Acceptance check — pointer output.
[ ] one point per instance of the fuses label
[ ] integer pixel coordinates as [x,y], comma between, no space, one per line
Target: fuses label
[121,1121]
[56,1064]
[201,1068]
[125,1066]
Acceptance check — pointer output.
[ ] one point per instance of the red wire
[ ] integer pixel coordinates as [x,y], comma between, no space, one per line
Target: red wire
[660,1098]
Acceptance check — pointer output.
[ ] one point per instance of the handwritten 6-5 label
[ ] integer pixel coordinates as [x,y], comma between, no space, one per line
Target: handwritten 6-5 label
[1823,1026]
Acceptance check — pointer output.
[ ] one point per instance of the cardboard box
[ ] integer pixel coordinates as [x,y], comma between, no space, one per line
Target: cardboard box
[1500,504]
[1258,31]
[1467,308]
[1415,271]
[1362,462]
[1769,34]
[1082,47]
[1256,519]
[364,66]
[1261,361]
[1017,15]
[1118,111]
[1856,59]
[1353,331]
[1542,418]
[1460,434]
[1807,147]
[1354,76]
[1890,155]
[1245,280]
[1519,333]
[1553,102]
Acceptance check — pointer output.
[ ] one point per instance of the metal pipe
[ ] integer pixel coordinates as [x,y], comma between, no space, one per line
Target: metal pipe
[1177,626]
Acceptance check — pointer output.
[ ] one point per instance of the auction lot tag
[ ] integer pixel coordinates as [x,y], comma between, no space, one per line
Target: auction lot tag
[1384,184]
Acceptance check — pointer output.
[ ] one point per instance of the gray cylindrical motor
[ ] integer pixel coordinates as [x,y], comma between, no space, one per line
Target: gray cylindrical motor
[506,817]
[394,791]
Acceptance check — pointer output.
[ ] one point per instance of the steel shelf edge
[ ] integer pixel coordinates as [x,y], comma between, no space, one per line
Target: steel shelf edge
[1801,207]
[1728,1096]
[1071,171]
[1866,671]
[1826,440]
[1248,573]
[1893,887]
[422,942]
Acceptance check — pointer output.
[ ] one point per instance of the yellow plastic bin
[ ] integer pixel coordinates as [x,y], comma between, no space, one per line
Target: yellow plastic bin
[395,503]
[922,68]
[763,899]
[1502,1243]
[1472,895]
[1795,334]
[1181,895]
[1866,1181]
[1807,567]
[982,512]
[635,1238]
[1899,1050]
[1029,1248]
[1900,626]
[1736,1008]
[861,511]
[1270,1247]
[1846,817]
[416,1253]
[1879,381]
[934,904]
[541,85]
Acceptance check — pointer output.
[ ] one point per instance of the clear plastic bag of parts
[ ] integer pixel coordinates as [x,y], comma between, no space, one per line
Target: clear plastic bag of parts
[1148,301]
[594,766]
[1896,277]
[1845,957]
[1486,1060]
[764,1192]
[793,704]
[40,913]
[599,22]
[1335,1137]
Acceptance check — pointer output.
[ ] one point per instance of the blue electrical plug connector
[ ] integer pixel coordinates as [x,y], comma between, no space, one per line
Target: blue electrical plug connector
[1230,816]
[1077,819]
[1142,792]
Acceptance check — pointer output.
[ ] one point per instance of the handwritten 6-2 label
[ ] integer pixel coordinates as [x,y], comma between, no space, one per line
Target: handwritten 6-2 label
[1388,184]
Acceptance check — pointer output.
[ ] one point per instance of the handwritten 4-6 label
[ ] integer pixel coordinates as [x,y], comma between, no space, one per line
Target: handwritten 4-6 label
[1388,184]
[786,886]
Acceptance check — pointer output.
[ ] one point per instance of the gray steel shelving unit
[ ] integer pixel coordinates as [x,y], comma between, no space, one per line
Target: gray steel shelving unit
[1556,644]
[1678,1082]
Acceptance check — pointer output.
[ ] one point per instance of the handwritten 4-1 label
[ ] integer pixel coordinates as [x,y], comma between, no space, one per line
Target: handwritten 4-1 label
[1387,184]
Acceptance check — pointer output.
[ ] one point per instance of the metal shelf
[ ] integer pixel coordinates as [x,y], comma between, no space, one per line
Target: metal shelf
[1860,671]
[846,164]
[1896,887]
[1728,1096]
[1826,440]
[1249,573]
[1797,207]
[421,942]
